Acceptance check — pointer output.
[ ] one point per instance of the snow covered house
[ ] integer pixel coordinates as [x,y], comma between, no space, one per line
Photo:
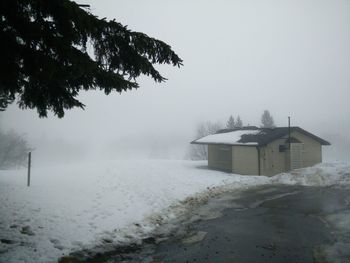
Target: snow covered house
[262,151]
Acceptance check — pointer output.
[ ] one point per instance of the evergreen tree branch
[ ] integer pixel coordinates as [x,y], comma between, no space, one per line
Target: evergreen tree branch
[44,58]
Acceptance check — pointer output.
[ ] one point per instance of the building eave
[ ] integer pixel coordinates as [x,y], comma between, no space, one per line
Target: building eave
[230,144]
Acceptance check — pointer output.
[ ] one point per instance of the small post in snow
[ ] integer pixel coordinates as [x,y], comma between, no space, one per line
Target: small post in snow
[289,131]
[29,164]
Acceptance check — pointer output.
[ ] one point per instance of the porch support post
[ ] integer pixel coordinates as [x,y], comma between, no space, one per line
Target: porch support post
[259,169]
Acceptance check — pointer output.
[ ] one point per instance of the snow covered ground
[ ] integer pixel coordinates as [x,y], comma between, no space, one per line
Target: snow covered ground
[72,207]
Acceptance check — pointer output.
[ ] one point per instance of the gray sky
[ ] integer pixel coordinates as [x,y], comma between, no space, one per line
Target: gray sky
[291,57]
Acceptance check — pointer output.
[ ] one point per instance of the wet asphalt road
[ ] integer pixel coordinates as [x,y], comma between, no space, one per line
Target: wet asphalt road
[271,224]
[266,224]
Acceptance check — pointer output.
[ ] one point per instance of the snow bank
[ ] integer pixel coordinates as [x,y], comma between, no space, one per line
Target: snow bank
[325,174]
[73,207]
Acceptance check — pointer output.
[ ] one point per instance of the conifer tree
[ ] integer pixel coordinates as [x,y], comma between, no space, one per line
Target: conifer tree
[239,123]
[230,123]
[267,120]
[44,61]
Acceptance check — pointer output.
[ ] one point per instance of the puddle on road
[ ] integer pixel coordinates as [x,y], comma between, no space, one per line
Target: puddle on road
[260,202]
[207,215]
[194,238]
[214,208]
[267,190]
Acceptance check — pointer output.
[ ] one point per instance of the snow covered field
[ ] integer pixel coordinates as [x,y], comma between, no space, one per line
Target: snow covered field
[71,207]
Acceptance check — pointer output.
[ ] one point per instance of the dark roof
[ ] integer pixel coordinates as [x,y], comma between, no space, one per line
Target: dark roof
[267,135]
[238,129]
[292,140]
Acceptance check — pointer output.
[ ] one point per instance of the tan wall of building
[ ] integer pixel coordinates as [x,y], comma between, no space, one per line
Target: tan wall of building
[220,157]
[312,152]
[272,161]
[245,160]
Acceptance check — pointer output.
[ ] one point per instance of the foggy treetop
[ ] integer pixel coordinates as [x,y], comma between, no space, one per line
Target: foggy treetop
[45,62]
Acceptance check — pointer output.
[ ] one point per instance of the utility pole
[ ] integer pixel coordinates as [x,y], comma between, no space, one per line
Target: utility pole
[29,164]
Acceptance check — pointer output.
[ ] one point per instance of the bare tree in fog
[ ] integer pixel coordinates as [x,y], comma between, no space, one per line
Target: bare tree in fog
[13,150]
[267,120]
[200,152]
[44,58]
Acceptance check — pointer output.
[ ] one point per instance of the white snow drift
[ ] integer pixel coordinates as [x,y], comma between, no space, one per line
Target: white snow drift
[229,138]
[72,207]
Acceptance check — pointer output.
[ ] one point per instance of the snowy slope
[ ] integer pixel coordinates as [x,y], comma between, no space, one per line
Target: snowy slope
[71,207]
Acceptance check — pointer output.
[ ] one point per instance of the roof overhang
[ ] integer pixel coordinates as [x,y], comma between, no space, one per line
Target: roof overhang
[316,138]
[231,144]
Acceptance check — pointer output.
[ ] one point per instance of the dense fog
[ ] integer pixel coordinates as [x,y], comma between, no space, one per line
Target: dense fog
[240,58]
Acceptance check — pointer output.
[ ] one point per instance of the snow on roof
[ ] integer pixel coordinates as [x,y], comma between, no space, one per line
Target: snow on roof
[231,138]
